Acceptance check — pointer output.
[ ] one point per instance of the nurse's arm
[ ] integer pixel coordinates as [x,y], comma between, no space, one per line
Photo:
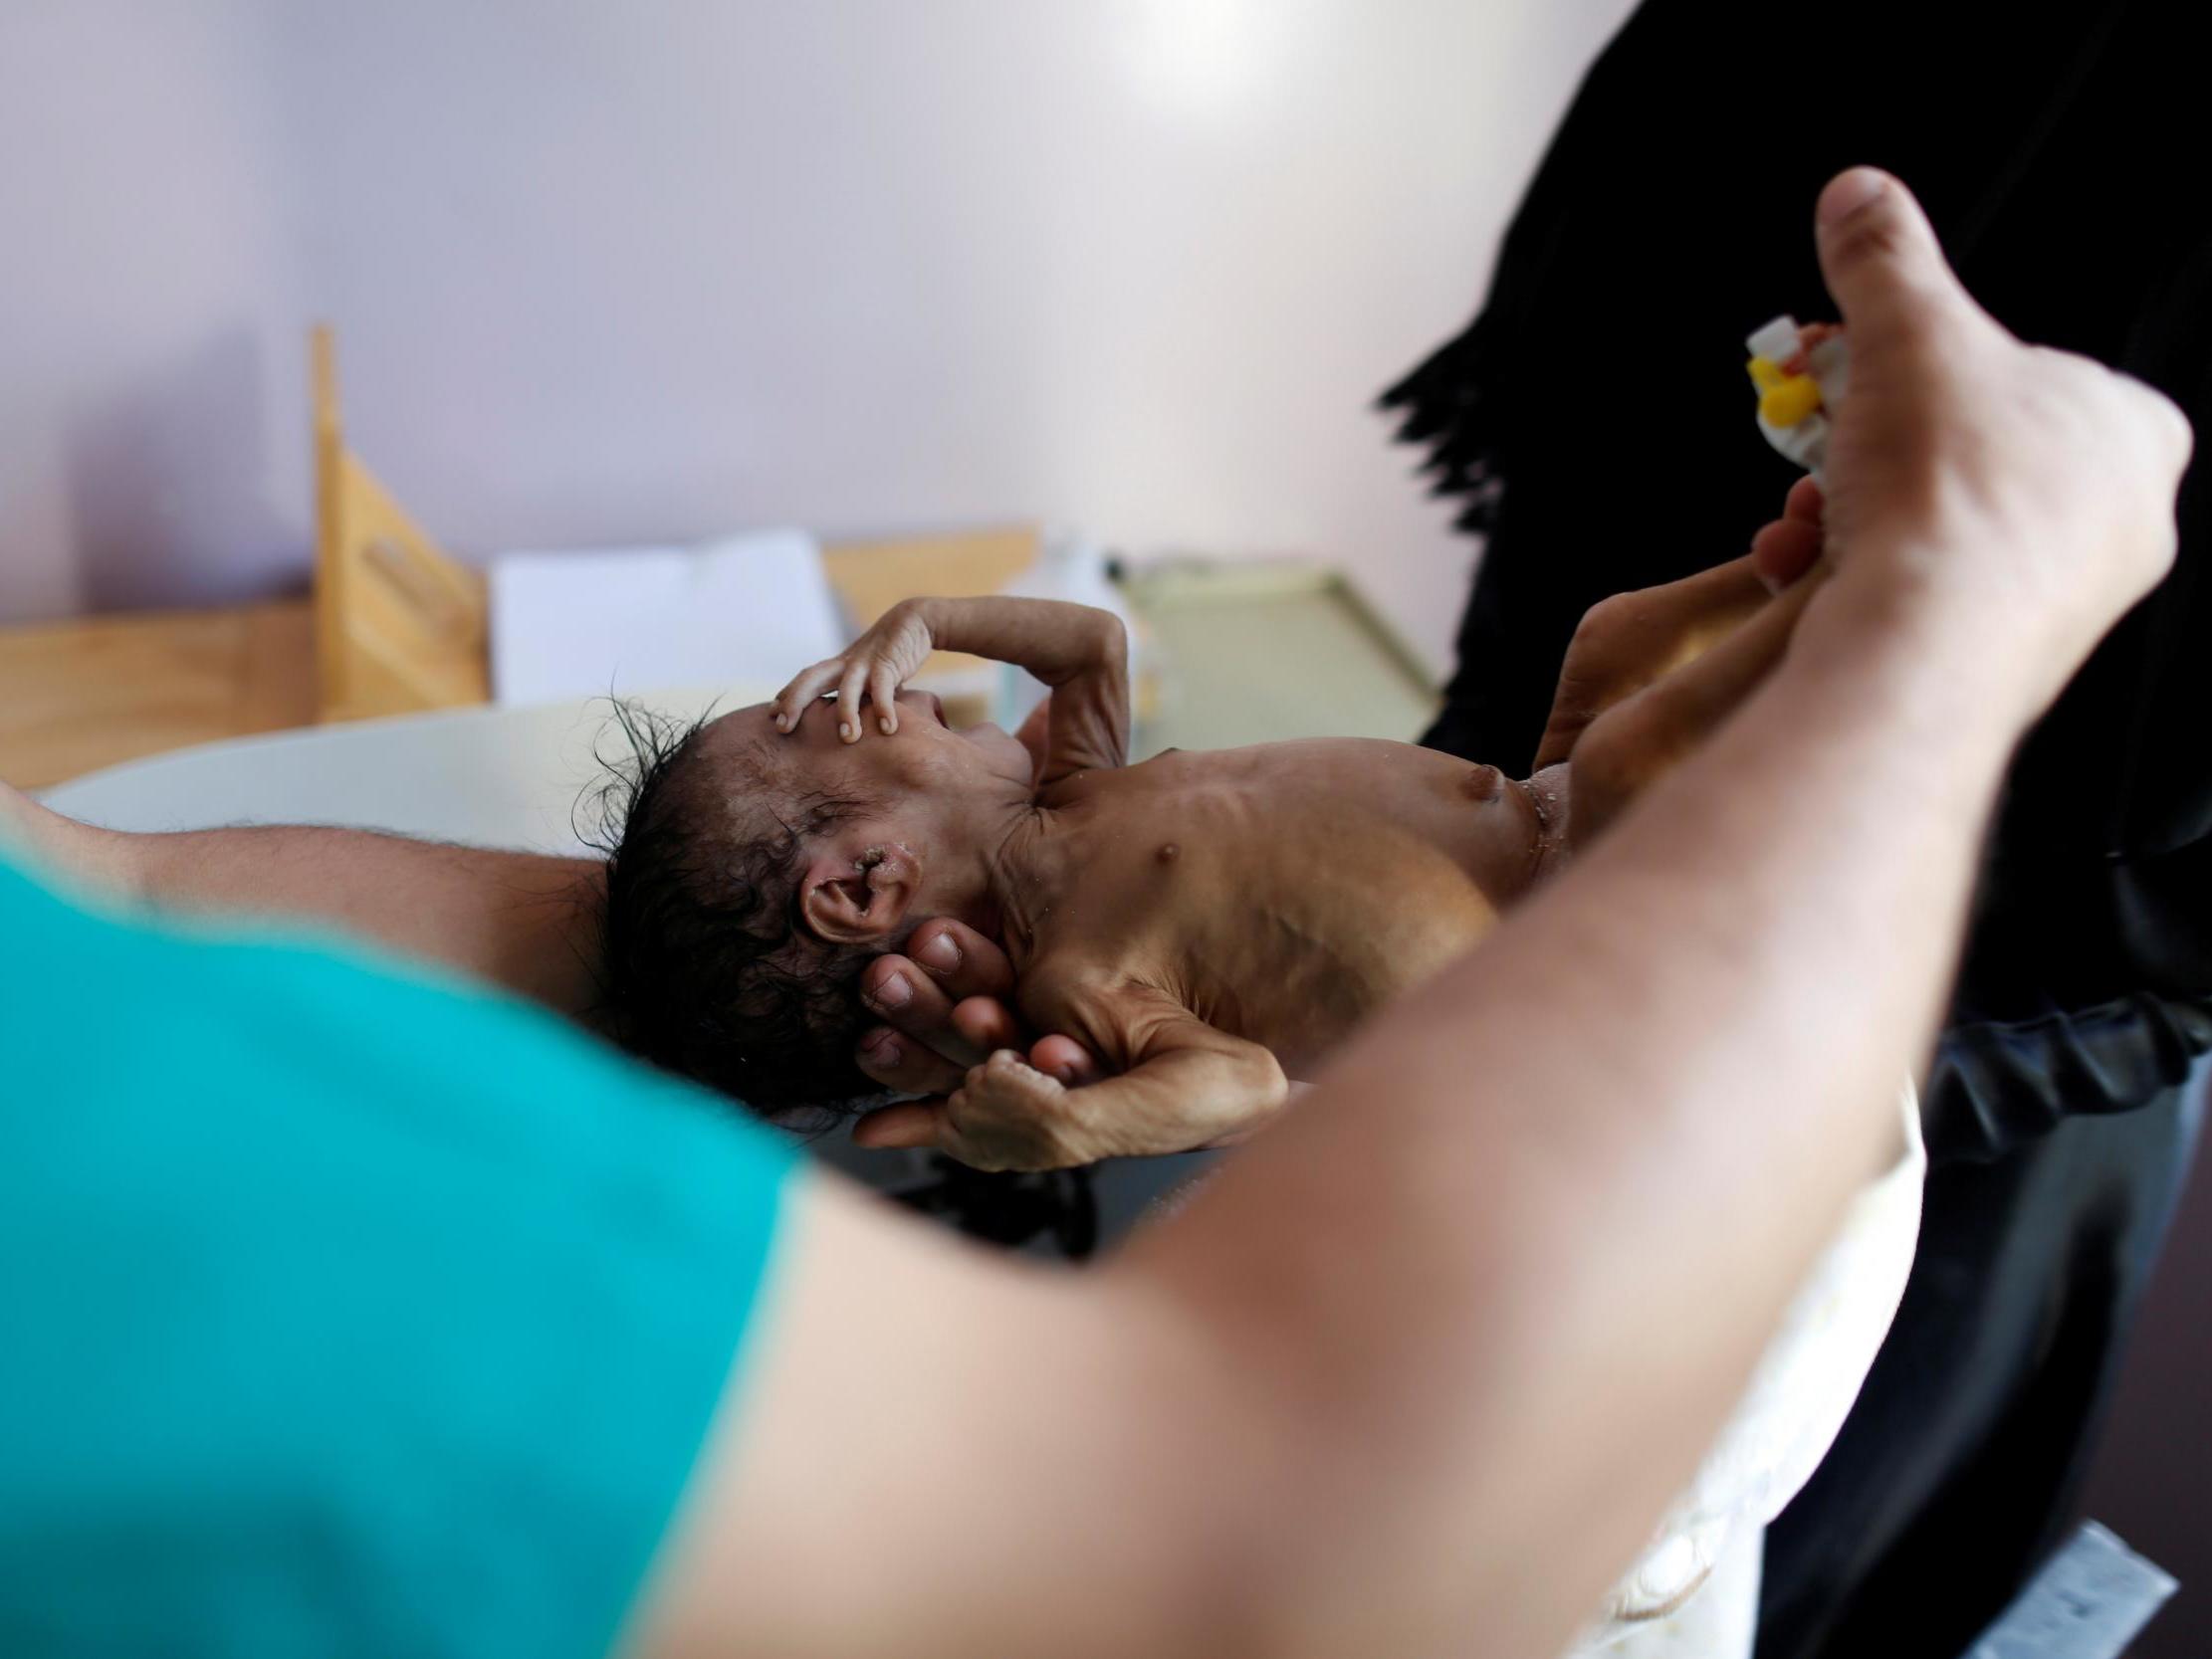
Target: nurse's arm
[523,921]
[1418,1375]
[1425,1369]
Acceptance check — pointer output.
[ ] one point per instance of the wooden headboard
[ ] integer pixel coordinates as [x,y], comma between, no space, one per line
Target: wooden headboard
[399,625]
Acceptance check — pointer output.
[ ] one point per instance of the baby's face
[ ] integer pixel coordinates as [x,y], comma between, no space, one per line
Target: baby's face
[925,757]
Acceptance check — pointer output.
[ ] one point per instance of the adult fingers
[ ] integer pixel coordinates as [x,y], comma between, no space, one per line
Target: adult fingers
[1883,267]
[987,1023]
[919,1010]
[958,958]
[1064,1058]
[943,996]
[910,1124]
[922,1125]
[904,1065]
[943,1003]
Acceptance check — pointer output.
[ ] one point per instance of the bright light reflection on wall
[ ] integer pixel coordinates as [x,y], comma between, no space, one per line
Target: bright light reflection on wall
[1220,62]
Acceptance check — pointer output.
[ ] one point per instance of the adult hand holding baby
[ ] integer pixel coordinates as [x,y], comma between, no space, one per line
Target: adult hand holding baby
[1953,433]
[943,1003]
[1967,473]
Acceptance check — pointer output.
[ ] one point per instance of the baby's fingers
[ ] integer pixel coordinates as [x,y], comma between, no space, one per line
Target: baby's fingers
[849,687]
[1805,505]
[1784,551]
[793,699]
[883,691]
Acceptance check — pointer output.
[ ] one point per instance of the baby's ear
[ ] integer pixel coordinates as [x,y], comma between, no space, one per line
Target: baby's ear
[859,894]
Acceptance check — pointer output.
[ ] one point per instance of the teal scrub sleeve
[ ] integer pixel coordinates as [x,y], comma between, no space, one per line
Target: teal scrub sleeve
[343,1311]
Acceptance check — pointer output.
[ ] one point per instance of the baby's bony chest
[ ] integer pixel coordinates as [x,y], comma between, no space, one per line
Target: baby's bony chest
[1283,924]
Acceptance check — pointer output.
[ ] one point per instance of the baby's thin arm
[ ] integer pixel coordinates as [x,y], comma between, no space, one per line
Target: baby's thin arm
[1191,1085]
[1633,640]
[1632,743]
[1079,651]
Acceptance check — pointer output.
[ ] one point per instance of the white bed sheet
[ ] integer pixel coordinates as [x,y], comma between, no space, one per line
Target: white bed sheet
[495,777]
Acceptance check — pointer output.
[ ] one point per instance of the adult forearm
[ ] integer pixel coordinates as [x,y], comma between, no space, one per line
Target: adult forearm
[522,921]
[1611,1140]
[91,858]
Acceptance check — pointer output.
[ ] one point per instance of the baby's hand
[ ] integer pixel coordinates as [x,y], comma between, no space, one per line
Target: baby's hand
[1010,1116]
[878,661]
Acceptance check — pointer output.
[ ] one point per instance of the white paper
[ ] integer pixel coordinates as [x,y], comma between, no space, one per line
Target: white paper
[565,625]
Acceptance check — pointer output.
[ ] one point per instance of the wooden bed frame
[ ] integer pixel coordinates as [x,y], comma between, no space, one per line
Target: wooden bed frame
[400,625]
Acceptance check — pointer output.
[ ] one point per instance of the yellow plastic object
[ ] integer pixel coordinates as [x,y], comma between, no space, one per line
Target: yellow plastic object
[1790,400]
[1766,375]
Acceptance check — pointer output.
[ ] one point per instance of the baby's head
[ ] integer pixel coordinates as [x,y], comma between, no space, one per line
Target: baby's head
[757,874]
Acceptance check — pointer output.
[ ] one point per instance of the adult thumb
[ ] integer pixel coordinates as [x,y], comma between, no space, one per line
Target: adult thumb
[1880,256]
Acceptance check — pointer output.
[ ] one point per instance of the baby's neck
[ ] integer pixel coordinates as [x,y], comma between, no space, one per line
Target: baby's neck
[994,880]
[1029,873]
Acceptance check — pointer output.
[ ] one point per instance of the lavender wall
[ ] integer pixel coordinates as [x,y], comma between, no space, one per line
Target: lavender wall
[608,273]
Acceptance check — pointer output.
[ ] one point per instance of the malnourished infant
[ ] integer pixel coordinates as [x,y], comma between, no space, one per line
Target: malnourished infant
[1208,924]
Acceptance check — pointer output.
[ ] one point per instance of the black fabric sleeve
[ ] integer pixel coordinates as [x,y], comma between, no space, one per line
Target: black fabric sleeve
[1998,1084]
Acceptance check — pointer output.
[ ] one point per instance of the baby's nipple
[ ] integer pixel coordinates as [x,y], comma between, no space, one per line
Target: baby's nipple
[1482,783]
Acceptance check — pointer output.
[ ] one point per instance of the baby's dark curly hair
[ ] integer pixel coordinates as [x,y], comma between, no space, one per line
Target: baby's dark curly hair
[707,968]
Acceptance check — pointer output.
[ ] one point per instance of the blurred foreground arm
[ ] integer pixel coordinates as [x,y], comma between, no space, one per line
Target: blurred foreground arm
[1418,1377]
[522,921]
